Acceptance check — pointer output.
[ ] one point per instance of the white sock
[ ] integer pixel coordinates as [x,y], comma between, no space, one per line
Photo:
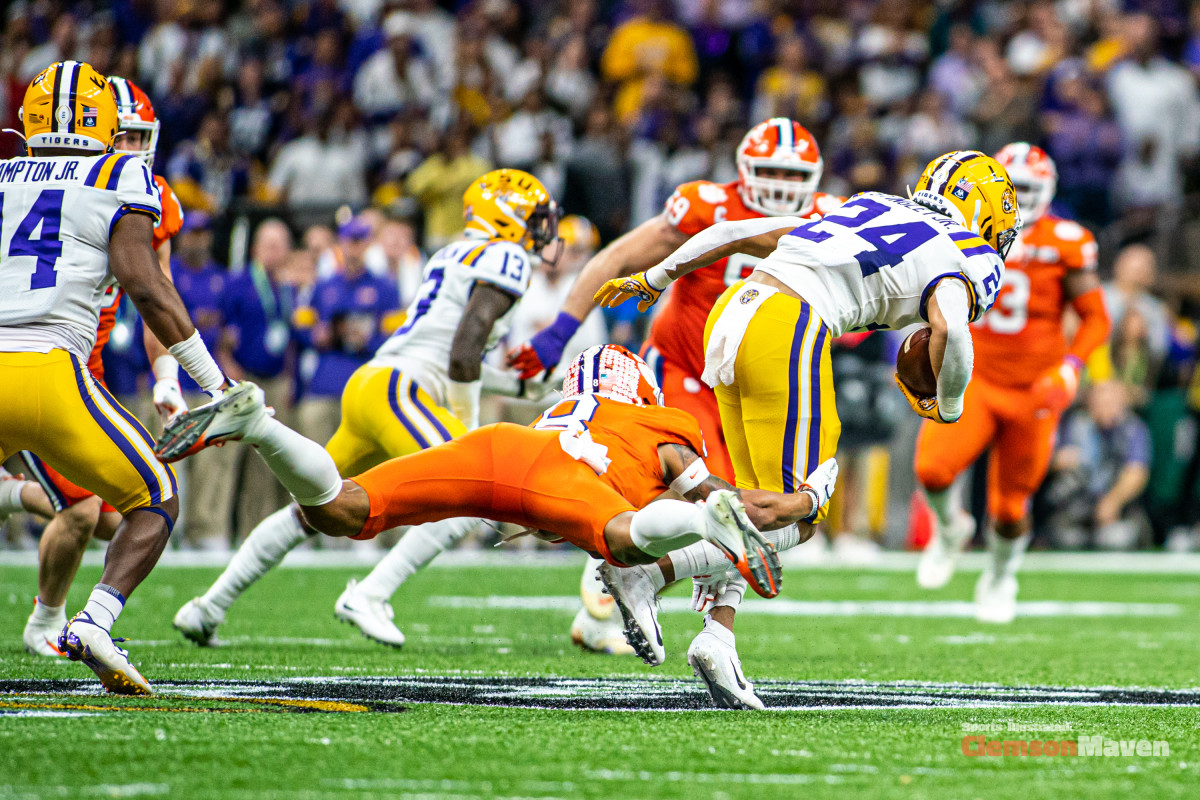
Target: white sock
[945,505]
[1007,553]
[700,558]
[10,496]
[719,630]
[783,538]
[265,547]
[667,525]
[300,464]
[104,606]
[43,613]
[416,548]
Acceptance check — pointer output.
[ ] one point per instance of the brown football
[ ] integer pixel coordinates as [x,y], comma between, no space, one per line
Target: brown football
[913,366]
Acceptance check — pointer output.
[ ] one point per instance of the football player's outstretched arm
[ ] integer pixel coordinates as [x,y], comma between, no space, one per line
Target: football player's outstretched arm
[950,351]
[754,237]
[488,303]
[688,476]
[167,394]
[136,268]
[638,250]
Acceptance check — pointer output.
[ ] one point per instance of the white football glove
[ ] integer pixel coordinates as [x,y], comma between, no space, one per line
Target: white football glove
[168,399]
[821,484]
[709,590]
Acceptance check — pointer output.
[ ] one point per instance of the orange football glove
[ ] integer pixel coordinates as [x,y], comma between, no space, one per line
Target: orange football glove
[1056,387]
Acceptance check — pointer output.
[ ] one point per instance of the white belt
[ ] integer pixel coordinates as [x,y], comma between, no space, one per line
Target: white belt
[727,332]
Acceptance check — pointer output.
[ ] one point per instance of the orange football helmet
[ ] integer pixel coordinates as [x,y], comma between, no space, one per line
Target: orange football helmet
[777,147]
[1033,175]
[135,113]
[611,371]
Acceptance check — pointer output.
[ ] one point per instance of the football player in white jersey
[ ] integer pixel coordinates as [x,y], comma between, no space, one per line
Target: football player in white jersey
[878,262]
[78,217]
[421,389]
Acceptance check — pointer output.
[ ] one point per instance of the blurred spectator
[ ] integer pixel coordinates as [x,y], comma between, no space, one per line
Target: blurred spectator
[1131,289]
[1157,106]
[1085,143]
[324,167]
[1040,44]
[254,346]
[597,177]
[438,185]
[352,311]
[62,44]
[647,45]
[956,73]
[209,477]
[395,78]
[205,172]
[791,88]
[1098,474]
[396,255]
[180,42]
[891,55]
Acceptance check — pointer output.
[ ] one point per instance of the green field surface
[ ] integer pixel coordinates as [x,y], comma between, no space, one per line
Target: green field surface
[489,698]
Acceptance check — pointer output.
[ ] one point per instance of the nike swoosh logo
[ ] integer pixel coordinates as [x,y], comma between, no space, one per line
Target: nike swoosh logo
[658,633]
[737,675]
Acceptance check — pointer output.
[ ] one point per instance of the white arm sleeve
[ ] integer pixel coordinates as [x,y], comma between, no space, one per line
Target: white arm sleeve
[951,298]
[710,239]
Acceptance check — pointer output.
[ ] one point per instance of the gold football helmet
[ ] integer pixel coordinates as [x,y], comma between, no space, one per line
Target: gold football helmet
[514,205]
[69,105]
[974,190]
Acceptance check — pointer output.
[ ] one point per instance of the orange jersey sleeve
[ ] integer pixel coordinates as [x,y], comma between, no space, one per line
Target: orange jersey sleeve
[172,213]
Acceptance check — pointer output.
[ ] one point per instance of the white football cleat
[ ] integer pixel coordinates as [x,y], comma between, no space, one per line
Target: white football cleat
[226,419]
[940,557]
[637,599]
[371,615]
[717,664]
[598,602]
[996,598]
[41,636]
[599,636]
[84,640]
[198,621]
[730,530]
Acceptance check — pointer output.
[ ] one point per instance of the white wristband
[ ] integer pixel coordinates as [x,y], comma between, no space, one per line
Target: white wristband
[463,400]
[193,356]
[695,474]
[166,368]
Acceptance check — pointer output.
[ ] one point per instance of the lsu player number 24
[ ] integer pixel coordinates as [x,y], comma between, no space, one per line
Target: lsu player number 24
[1026,374]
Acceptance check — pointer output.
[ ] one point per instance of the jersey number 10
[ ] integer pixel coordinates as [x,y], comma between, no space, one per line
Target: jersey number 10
[47,249]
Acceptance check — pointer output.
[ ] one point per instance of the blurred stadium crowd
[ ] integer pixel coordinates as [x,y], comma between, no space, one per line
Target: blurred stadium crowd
[320,149]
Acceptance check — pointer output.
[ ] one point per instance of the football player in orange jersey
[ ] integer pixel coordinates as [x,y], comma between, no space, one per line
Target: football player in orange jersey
[79,514]
[590,471]
[1026,374]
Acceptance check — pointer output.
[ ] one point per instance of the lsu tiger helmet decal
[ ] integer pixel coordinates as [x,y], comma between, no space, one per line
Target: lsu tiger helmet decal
[136,120]
[69,105]
[975,191]
[610,370]
[1033,174]
[779,167]
[512,204]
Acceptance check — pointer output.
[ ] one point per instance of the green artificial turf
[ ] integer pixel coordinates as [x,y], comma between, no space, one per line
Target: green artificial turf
[284,629]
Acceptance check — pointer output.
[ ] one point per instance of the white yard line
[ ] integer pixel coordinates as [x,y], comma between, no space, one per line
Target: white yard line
[364,558]
[780,607]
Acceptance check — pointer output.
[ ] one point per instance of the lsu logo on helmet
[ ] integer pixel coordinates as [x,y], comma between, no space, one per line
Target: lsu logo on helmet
[512,204]
[69,105]
[975,191]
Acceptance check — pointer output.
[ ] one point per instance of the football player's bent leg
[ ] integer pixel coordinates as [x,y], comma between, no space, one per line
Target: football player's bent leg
[61,548]
[944,451]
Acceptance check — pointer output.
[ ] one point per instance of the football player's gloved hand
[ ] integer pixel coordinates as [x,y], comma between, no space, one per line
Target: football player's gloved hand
[168,399]
[821,483]
[707,590]
[545,349]
[618,290]
[1056,387]
[926,407]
